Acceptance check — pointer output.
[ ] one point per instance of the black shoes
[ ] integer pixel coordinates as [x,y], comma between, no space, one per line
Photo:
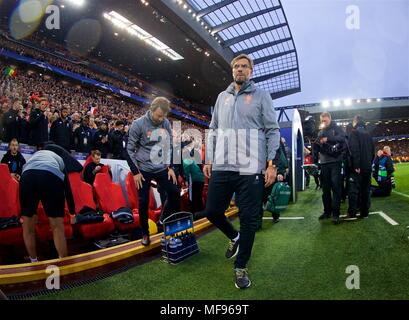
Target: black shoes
[233,249]
[324,216]
[335,220]
[146,241]
[242,278]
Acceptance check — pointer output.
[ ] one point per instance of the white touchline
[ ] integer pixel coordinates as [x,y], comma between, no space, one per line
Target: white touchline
[382,214]
[371,213]
[387,218]
[401,194]
[285,218]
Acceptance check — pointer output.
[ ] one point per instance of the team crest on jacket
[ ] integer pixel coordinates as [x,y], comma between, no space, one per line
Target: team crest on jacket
[248,98]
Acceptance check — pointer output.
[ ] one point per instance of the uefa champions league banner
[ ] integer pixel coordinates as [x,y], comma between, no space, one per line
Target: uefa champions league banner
[46,66]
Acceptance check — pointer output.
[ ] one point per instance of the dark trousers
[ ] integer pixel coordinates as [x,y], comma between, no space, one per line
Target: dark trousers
[331,187]
[359,191]
[249,194]
[197,196]
[383,189]
[173,196]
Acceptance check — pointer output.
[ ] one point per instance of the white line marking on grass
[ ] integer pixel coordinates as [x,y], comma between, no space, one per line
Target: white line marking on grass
[387,218]
[285,218]
[381,213]
[401,194]
[371,213]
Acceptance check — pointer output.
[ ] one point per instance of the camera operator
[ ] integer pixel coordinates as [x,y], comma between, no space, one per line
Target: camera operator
[331,145]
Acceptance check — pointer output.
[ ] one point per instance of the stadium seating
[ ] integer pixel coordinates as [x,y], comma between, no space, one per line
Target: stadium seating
[43,228]
[83,196]
[154,209]
[131,191]
[110,198]
[9,206]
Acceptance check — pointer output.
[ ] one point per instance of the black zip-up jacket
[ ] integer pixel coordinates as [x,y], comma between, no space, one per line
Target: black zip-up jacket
[89,176]
[15,163]
[117,143]
[335,136]
[61,133]
[104,148]
[24,131]
[38,127]
[82,138]
[11,124]
[362,149]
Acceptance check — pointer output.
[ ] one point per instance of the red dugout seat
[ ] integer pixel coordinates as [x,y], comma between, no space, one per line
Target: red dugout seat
[154,209]
[133,198]
[83,196]
[9,206]
[110,198]
[43,227]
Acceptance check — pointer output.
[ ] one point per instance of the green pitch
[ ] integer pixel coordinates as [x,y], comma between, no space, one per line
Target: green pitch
[294,259]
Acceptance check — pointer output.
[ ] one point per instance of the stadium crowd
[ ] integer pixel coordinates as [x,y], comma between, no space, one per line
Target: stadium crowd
[392,128]
[26,92]
[65,61]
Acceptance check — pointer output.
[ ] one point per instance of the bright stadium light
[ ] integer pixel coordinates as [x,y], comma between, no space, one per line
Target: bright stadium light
[337,103]
[378,100]
[347,102]
[78,3]
[325,104]
[134,30]
[358,101]
[368,100]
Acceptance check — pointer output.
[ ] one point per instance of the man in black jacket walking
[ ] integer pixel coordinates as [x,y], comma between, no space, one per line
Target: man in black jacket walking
[38,125]
[362,152]
[331,145]
[61,130]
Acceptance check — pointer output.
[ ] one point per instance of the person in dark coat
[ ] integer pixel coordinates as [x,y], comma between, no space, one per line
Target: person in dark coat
[100,141]
[94,167]
[38,125]
[24,128]
[82,137]
[11,122]
[117,140]
[361,155]
[61,130]
[331,145]
[14,159]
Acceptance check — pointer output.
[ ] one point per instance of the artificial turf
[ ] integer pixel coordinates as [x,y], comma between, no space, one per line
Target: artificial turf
[294,259]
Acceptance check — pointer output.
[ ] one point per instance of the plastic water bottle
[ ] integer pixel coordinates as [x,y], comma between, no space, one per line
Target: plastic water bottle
[173,247]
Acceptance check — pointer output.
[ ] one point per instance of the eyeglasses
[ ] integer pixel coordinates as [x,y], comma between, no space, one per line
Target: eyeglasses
[244,66]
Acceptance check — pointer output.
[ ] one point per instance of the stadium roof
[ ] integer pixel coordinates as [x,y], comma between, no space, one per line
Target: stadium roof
[205,71]
[260,29]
